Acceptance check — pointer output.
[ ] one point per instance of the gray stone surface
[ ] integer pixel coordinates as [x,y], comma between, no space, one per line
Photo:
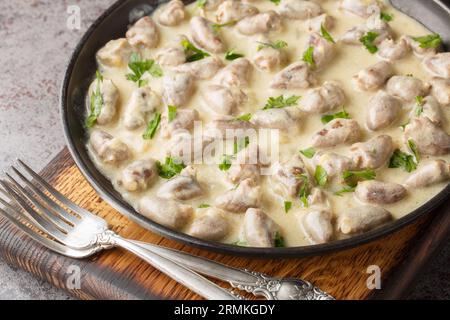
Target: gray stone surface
[34,48]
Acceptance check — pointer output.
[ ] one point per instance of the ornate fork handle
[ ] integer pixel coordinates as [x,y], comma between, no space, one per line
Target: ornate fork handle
[253,282]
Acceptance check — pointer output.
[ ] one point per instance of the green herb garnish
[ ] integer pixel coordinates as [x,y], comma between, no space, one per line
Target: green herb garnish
[321,176]
[279,44]
[170,168]
[340,115]
[239,243]
[287,206]
[217,26]
[241,144]
[96,102]
[308,57]
[368,41]
[420,102]
[413,147]
[172,111]
[192,52]
[201,3]
[352,178]
[386,16]
[152,127]
[341,192]
[277,2]
[245,117]
[279,241]
[304,190]
[309,153]
[402,160]
[325,34]
[429,41]
[140,67]
[225,164]
[231,55]
[204,206]
[281,102]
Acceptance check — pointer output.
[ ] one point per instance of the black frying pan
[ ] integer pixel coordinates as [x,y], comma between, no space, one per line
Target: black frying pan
[113,24]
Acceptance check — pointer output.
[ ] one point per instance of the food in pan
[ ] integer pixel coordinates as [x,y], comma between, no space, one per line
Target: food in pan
[355,94]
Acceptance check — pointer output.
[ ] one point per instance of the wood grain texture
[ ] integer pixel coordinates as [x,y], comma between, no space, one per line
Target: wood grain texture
[115,274]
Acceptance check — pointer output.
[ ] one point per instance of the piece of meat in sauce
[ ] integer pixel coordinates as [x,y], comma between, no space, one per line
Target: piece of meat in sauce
[204,36]
[285,119]
[362,218]
[392,51]
[110,99]
[289,177]
[429,138]
[143,34]
[236,74]
[372,154]
[337,132]
[429,173]
[182,187]
[172,14]
[297,75]
[317,226]
[184,120]
[382,111]
[259,229]
[178,89]
[223,100]
[232,11]
[373,77]
[212,225]
[259,23]
[203,69]
[315,24]
[168,213]
[143,102]
[299,9]
[246,195]
[323,99]
[381,193]
[110,150]
[438,65]
[407,88]
[334,164]
[115,53]
[173,54]
[441,90]
[138,175]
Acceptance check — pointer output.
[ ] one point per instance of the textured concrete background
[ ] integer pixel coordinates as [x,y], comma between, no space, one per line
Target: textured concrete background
[34,48]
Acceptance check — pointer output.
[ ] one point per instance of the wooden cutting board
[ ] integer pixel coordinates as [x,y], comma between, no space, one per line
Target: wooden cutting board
[115,274]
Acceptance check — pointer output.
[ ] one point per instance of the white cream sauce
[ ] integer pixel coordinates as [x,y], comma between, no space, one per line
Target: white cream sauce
[348,61]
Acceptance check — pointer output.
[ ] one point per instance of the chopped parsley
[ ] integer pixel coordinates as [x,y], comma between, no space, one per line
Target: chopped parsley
[204,206]
[308,57]
[217,26]
[201,3]
[172,112]
[281,102]
[239,243]
[368,41]
[279,240]
[245,117]
[340,115]
[352,178]
[241,144]
[287,206]
[304,190]
[386,17]
[277,2]
[309,153]
[140,67]
[192,52]
[152,127]
[420,102]
[96,102]
[231,55]
[325,34]
[321,176]
[225,163]
[170,168]
[429,41]
[413,147]
[279,44]
[344,190]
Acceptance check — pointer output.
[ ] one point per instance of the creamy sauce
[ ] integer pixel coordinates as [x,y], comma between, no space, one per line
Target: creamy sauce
[348,61]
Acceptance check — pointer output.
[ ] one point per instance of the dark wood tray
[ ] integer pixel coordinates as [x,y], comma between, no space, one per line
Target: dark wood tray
[115,274]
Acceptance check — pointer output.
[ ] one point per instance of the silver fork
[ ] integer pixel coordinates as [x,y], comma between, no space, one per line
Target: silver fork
[83,234]
[253,282]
